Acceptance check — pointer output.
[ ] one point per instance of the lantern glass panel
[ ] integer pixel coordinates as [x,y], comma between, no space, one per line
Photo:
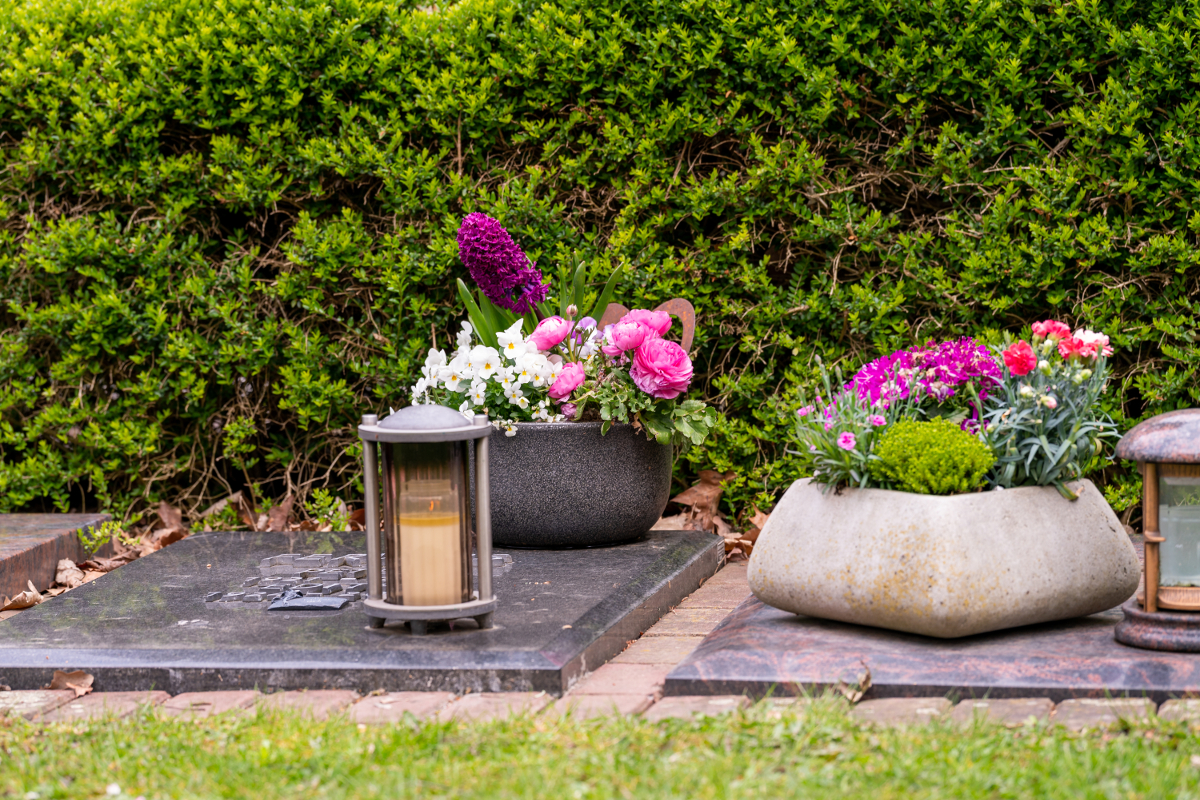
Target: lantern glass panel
[1179,524]
[427,523]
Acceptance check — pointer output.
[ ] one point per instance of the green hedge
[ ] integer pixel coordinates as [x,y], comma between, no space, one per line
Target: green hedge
[228,225]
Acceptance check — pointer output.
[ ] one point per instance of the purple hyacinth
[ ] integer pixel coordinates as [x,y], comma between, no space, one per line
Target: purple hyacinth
[498,266]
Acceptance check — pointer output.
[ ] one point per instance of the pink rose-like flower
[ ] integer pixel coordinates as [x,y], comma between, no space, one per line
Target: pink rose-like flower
[1096,343]
[847,441]
[550,332]
[1071,347]
[1020,358]
[1050,329]
[661,369]
[876,420]
[570,379]
[630,335]
[568,410]
[657,321]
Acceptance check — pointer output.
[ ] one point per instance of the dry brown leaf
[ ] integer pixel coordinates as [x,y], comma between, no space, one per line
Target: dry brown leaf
[79,681]
[722,528]
[675,522]
[746,545]
[759,519]
[55,591]
[277,517]
[26,599]
[171,517]
[703,497]
[67,574]
[246,511]
[855,693]
[358,520]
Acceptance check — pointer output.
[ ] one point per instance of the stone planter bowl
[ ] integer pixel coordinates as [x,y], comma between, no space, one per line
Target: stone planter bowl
[943,566]
[562,484]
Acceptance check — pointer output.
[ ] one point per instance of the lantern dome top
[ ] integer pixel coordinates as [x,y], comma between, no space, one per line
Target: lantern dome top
[424,423]
[1171,438]
[424,418]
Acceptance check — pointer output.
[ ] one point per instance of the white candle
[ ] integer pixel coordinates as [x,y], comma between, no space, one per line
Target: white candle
[430,558]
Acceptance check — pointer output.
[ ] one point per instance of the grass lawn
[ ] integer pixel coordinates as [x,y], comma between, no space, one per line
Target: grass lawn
[758,753]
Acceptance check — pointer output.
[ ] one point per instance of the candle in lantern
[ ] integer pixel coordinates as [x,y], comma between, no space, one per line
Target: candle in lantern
[430,562]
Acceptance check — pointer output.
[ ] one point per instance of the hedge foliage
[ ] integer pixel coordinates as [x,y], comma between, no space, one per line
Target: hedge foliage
[227,226]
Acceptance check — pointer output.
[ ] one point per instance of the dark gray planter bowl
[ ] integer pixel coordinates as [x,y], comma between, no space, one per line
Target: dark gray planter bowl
[562,484]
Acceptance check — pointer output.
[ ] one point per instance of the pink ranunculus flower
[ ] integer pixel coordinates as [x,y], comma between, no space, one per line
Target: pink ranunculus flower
[570,379]
[661,369]
[568,410]
[1050,329]
[550,331]
[847,441]
[630,335]
[657,321]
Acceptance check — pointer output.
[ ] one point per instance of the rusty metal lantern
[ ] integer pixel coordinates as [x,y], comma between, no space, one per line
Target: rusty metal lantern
[1165,614]
[427,536]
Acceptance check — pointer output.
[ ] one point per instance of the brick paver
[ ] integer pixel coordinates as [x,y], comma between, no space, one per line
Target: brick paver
[901,710]
[494,705]
[688,707]
[727,589]
[30,703]
[586,706]
[688,622]
[1090,712]
[668,650]
[388,708]
[319,703]
[611,678]
[101,704]
[1015,711]
[195,705]
[1180,710]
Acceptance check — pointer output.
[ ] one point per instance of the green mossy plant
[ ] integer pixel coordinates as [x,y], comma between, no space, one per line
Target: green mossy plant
[227,229]
[931,457]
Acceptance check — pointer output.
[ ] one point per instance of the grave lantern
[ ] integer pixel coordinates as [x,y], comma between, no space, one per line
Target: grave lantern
[1165,614]
[426,543]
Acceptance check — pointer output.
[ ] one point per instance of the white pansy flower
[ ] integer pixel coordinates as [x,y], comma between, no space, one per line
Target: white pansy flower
[465,410]
[513,393]
[510,429]
[478,395]
[512,344]
[484,361]
[464,336]
[506,377]
[522,402]
[555,367]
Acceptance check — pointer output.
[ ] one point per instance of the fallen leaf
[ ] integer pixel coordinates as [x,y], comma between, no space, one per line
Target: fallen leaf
[277,517]
[171,517]
[67,574]
[675,522]
[358,520]
[703,497]
[746,545]
[722,527]
[79,682]
[855,693]
[246,511]
[26,599]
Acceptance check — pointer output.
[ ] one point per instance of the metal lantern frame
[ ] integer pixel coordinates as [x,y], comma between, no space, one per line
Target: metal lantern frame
[1161,617]
[379,611]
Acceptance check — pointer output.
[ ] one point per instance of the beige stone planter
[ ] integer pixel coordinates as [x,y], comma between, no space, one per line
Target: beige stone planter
[943,566]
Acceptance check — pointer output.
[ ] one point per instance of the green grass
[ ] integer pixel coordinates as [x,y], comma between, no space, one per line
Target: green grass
[821,753]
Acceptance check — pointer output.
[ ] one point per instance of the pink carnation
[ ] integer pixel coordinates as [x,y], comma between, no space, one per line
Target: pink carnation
[570,379]
[550,332]
[847,441]
[876,420]
[1094,344]
[657,321]
[1050,329]
[661,369]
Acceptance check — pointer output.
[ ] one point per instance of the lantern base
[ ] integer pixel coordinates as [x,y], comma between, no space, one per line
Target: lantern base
[419,617]
[1176,631]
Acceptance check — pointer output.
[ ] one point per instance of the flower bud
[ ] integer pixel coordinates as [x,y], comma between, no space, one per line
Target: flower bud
[1085,374]
[1044,367]
[1026,391]
[1049,402]
[572,310]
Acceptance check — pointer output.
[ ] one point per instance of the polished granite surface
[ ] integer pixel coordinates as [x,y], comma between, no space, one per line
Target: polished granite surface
[759,650]
[147,625]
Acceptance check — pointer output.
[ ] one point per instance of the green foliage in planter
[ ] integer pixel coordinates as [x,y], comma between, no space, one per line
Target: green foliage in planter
[227,228]
[931,457]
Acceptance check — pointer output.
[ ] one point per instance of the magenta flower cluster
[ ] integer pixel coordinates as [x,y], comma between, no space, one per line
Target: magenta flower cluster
[936,371]
[498,266]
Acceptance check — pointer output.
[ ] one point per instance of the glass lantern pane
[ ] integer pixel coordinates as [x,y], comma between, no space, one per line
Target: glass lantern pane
[426,524]
[1179,524]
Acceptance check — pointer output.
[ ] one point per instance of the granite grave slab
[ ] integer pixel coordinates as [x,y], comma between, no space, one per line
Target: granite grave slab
[32,544]
[170,621]
[759,650]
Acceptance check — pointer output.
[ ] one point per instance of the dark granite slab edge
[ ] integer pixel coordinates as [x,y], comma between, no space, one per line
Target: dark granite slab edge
[744,655]
[31,545]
